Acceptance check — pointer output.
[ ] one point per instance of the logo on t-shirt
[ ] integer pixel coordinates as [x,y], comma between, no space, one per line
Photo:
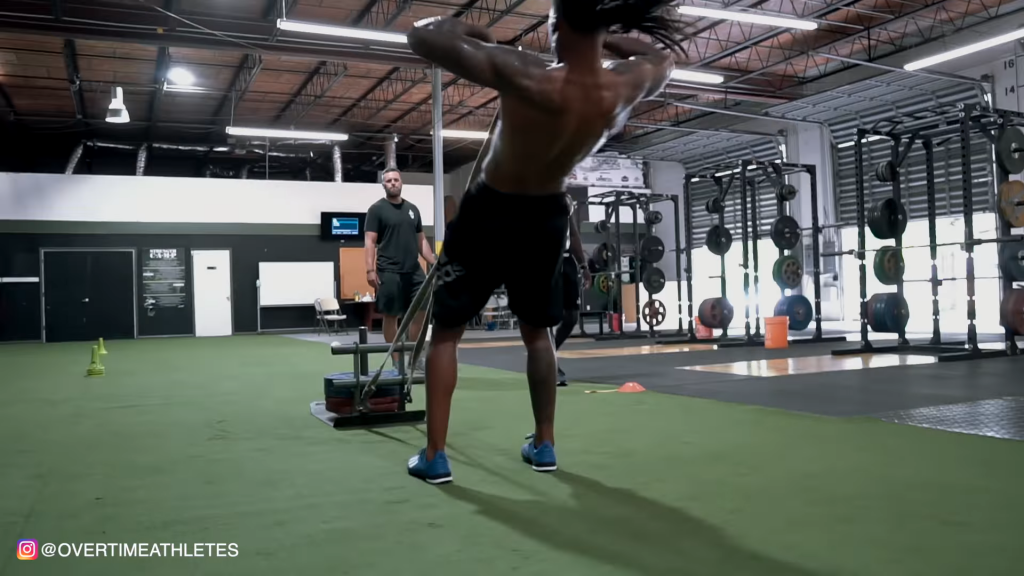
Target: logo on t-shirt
[412,216]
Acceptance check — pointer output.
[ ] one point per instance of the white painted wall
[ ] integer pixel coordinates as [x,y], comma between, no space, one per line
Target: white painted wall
[86,198]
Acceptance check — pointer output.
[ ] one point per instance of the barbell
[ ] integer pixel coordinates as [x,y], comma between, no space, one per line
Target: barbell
[975,242]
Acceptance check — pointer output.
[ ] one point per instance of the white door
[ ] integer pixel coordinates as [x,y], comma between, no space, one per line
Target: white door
[211,281]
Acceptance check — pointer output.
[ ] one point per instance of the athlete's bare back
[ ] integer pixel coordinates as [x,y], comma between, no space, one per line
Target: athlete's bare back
[552,115]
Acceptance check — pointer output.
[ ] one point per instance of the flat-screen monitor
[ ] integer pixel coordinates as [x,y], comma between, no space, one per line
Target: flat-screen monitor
[344,227]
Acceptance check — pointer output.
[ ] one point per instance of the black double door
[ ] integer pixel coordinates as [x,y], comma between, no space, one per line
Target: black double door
[88,295]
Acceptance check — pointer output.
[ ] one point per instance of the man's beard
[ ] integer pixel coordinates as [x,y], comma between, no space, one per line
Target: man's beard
[393,192]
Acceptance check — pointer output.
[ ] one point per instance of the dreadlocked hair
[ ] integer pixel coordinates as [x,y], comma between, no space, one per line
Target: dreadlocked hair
[649,17]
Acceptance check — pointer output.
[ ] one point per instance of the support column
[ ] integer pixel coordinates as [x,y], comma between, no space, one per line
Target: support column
[437,107]
[808,144]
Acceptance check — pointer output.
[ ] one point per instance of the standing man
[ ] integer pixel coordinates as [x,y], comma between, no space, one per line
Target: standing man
[512,222]
[574,266]
[394,243]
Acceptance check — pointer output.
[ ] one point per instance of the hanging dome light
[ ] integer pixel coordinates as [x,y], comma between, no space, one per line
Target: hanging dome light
[117,113]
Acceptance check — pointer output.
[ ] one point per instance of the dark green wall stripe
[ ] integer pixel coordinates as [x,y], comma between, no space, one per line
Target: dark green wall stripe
[185,228]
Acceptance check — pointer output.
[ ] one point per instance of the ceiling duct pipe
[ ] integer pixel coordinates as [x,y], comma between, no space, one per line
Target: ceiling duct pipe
[101,144]
[244,172]
[190,148]
[336,157]
[390,158]
[140,160]
[76,155]
[309,175]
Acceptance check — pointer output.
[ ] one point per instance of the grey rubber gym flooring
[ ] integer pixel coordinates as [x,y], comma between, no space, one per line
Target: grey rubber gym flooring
[983,397]
[948,396]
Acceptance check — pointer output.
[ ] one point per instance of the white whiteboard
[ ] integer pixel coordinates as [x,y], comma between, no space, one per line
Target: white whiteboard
[295,283]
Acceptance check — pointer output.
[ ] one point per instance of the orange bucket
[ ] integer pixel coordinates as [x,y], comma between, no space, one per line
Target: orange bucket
[703,332]
[776,332]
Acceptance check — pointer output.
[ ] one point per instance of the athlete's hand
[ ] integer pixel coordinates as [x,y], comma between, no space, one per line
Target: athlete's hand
[373,280]
[587,278]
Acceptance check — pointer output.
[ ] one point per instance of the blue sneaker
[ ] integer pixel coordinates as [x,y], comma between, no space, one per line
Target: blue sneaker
[436,471]
[542,457]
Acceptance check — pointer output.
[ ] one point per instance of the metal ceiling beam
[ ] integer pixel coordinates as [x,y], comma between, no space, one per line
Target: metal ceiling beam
[388,90]
[834,7]
[250,66]
[320,81]
[380,14]
[278,9]
[244,77]
[125,24]
[851,38]
[163,64]
[5,99]
[74,78]
[468,10]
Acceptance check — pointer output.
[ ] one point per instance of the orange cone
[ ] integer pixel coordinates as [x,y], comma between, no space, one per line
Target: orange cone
[627,387]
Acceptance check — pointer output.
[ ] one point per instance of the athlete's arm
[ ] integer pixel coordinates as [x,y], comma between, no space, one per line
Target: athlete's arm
[576,247]
[425,250]
[470,52]
[370,255]
[645,68]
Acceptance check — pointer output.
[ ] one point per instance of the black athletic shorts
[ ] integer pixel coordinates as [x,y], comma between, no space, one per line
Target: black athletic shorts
[497,239]
[570,283]
[396,291]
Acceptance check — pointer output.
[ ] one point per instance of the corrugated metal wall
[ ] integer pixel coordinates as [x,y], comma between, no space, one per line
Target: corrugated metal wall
[918,99]
[948,177]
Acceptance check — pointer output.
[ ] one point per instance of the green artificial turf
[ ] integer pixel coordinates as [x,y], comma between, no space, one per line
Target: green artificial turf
[210,440]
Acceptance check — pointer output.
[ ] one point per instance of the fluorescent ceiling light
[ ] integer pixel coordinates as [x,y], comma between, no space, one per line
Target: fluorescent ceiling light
[342,31]
[970,49]
[117,113]
[727,172]
[690,76]
[298,134]
[752,17]
[181,77]
[852,142]
[470,134]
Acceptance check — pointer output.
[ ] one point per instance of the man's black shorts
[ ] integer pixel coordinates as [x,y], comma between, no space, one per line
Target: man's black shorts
[396,291]
[570,283]
[498,238]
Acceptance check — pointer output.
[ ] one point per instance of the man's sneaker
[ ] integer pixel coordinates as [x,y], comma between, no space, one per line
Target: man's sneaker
[436,471]
[561,378]
[421,365]
[542,457]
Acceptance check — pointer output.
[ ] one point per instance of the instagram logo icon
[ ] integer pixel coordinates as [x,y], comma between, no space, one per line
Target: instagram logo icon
[28,550]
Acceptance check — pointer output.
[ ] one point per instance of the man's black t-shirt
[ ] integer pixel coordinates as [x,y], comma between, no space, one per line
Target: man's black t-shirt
[397,226]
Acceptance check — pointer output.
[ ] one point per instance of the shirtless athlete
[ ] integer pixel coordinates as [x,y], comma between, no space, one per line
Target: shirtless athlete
[552,117]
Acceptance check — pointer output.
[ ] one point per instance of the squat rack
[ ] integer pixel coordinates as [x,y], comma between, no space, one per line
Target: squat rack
[612,200]
[775,174]
[713,173]
[971,117]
